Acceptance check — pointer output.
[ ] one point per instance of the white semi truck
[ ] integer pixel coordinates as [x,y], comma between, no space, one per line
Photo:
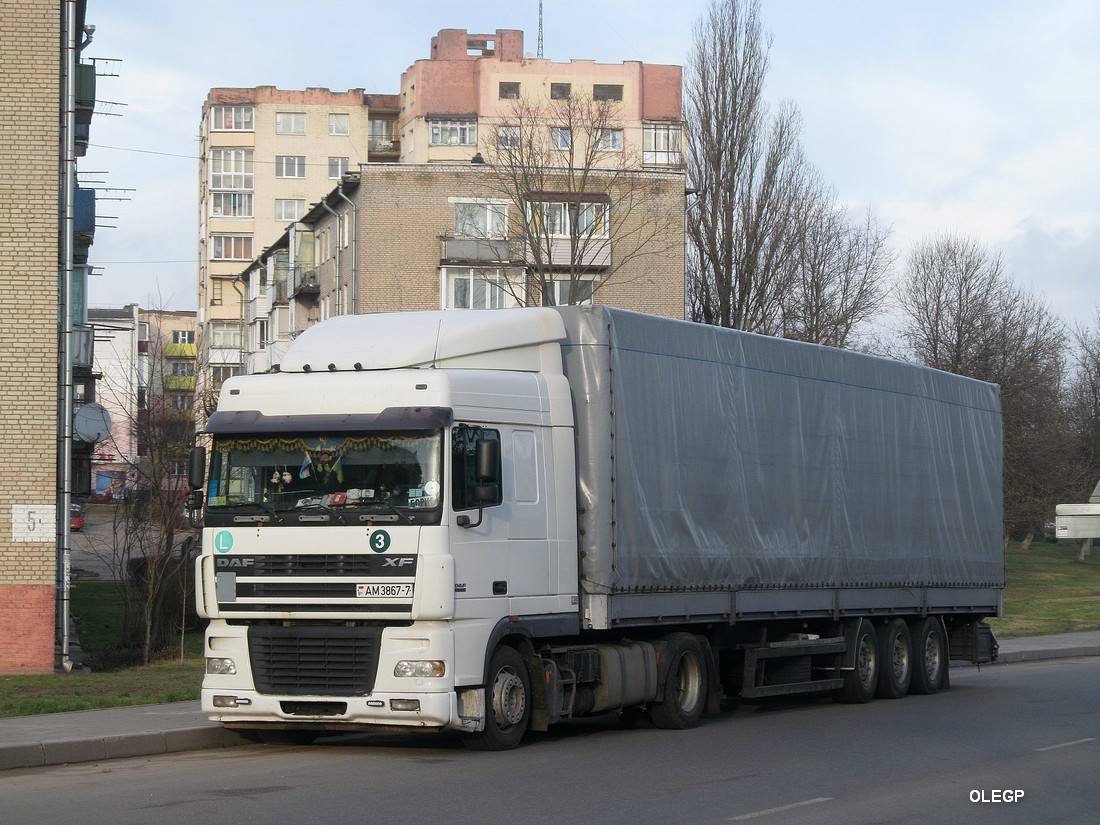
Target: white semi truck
[490,521]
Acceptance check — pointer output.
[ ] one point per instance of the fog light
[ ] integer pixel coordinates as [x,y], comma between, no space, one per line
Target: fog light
[221,667]
[405,704]
[420,670]
[230,701]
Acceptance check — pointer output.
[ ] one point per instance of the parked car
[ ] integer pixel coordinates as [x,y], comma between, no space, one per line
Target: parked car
[76,517]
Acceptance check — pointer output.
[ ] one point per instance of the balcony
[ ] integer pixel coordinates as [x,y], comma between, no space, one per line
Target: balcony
[305,282]
[259,307]
[479,250]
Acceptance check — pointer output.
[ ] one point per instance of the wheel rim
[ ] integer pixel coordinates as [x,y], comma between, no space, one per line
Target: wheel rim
[689,690]
[509,698]
[933,656]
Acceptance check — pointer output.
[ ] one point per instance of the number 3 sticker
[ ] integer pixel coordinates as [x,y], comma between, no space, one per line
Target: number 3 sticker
[379,541]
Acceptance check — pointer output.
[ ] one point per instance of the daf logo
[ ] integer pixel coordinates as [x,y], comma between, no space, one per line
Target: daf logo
[230,563]
[397,561]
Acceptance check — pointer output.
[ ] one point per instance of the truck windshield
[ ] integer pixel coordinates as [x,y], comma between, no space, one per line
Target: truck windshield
[351,477]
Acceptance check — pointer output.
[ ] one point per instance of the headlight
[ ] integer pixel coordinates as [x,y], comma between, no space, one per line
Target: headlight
[420,669]
[221,667]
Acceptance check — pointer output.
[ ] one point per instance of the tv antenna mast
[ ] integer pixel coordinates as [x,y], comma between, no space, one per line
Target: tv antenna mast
[540,29]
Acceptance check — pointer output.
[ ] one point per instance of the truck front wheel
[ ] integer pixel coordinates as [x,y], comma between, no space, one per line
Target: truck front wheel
[685,684]
[507,703]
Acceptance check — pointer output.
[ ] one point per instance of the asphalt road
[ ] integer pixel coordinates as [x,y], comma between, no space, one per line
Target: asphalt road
[1032,728]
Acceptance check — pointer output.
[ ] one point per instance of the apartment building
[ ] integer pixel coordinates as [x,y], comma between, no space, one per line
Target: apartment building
[46,227]
[467,95]
[273,178]
[267,155]
[441,242]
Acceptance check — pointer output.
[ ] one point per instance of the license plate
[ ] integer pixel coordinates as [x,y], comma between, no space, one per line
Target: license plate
[363,591]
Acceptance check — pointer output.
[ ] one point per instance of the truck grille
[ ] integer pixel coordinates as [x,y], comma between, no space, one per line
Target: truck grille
[314,661]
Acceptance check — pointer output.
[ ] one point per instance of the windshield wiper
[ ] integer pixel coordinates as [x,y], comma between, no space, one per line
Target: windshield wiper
[408,519]
[336,513]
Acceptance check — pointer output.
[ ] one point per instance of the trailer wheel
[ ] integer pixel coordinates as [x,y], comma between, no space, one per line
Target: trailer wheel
[861,681]
[507,703]
[685,684]
[896,649]
[930,656]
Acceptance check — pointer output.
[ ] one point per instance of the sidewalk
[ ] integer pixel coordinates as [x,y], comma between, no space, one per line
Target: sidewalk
[97,735]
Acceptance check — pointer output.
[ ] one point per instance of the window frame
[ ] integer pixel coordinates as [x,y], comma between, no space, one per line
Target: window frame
[494,212]
[218,243]
[284,163]
[232,168]
[280,209]
[240,204]
[247,119]
[341,166]
[557,133]
[493,281]
[290,123]
[607,91]
[654,134]
[335,119]
[464,132]
[606,140]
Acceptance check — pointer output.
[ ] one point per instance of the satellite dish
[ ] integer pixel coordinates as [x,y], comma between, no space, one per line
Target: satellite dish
[91,423]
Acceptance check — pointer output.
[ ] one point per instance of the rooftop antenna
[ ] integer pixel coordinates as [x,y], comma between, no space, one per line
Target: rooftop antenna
[540,29]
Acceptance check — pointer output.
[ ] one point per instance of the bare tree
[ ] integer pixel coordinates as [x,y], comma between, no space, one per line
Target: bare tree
[841,270]
[1082,408]
[576,193]
[748,172]
[964,315]
[145,555]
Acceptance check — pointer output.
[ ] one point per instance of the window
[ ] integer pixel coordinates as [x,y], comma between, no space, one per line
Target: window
[225,334]
[454,133]
[218,374]
[337,167]
[231,119]
[557,293]
[564,220]
[231,247]
[464,478]
[661,144]
[560,137]
[231,204]
[560,91]
[231,169]
[182,368]
[509,91]
[183,336]
[290,166]
[607,91]
[379,134]
[609,140]
[508,137]
[289,210]
[339,123]
[481,219]
[290,123]
[469,288]
[183,402]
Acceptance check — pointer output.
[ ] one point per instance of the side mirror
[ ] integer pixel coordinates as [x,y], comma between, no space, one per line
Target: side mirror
[487,475]
[196,468]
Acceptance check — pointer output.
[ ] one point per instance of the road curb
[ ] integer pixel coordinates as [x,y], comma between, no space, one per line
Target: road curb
[123,746]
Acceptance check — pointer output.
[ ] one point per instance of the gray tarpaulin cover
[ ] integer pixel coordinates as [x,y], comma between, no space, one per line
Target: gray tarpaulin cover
[716,459]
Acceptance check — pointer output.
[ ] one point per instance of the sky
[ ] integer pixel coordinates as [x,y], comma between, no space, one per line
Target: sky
[974,117]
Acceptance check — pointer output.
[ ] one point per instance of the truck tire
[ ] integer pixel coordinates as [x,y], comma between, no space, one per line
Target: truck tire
[685,687]
[896,660]
[929,656]
[507,703]
[861,681]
